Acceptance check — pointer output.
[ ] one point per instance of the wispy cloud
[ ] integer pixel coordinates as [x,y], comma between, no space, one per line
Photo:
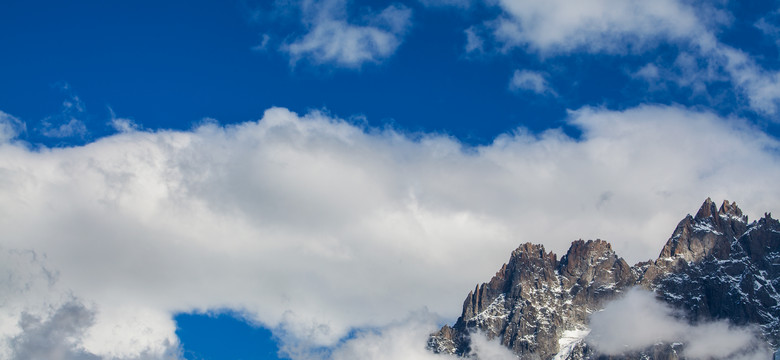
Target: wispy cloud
[332,37]
[598,26]
[69,121]
[10,127]
[533,81]
[554,28]
[120,124]
[474,42]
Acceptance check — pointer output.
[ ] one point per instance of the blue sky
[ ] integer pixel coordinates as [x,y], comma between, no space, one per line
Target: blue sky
[320,167]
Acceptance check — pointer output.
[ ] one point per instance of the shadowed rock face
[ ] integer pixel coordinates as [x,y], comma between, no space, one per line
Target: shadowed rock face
[714,266]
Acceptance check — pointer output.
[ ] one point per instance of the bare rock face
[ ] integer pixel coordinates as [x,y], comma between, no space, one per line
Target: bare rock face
[709,233]
[714,266]
[741,287]
[535,298]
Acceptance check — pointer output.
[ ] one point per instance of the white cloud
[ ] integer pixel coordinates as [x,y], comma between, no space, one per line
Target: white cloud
[490,349]
[54,338]
[769,25]
[405,340]
[533,81]
[400,340]
[265,40]
[557,27]
[120,124]
[637,321]
[313,226]
[612,26]
[648,72]
[40,319]
[68,122]
[474,42]
[333,38]
[65,128]
[10,127]
[761,86]
[123,125]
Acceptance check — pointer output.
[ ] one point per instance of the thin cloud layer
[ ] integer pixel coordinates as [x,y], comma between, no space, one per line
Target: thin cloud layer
[313,226]
[638,321]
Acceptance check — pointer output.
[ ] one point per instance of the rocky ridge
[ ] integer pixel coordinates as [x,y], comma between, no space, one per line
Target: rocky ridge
[715,266]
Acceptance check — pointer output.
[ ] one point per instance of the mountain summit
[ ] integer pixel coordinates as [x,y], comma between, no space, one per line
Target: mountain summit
[715,266]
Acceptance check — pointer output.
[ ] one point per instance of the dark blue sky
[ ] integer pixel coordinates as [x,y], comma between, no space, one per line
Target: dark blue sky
[171,64]
[68,67]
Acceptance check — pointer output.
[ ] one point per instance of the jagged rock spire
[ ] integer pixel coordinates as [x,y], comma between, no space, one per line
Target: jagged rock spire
[707,209]
[709,233]
[714,267]
[731,209]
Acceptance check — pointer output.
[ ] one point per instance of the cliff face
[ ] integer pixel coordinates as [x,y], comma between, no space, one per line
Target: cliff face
[714,266]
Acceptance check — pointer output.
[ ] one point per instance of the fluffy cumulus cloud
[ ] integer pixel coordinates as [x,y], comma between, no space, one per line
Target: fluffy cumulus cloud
[333,37]
[638,321]
[313,226]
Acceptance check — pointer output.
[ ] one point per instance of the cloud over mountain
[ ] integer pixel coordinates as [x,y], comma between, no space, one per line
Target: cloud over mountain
[315,226]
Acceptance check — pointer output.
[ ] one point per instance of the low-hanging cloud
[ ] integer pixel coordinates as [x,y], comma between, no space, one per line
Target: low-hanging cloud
[313,226]
[638,321]
[405,339]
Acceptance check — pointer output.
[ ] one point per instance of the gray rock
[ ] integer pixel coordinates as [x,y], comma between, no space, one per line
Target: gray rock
[714,266]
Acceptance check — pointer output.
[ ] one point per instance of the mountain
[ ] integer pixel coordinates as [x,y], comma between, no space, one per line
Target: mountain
[715,266]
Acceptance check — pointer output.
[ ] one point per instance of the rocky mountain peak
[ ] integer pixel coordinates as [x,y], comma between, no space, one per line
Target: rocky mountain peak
[583,255]
[709,233]
[731,210]
[707,209]
[590,269]
[530,299]
[714,267]
[531,251]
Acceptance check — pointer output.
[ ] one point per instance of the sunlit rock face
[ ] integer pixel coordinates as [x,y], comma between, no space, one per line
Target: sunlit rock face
[715,266]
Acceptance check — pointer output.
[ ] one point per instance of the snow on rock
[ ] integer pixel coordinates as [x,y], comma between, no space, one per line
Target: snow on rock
[715,266]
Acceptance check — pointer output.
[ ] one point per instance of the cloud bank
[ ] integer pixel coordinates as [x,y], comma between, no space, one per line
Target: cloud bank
[638,321]
[314,226]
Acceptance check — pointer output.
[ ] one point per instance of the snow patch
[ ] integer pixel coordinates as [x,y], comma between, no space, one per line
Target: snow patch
[568,341]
